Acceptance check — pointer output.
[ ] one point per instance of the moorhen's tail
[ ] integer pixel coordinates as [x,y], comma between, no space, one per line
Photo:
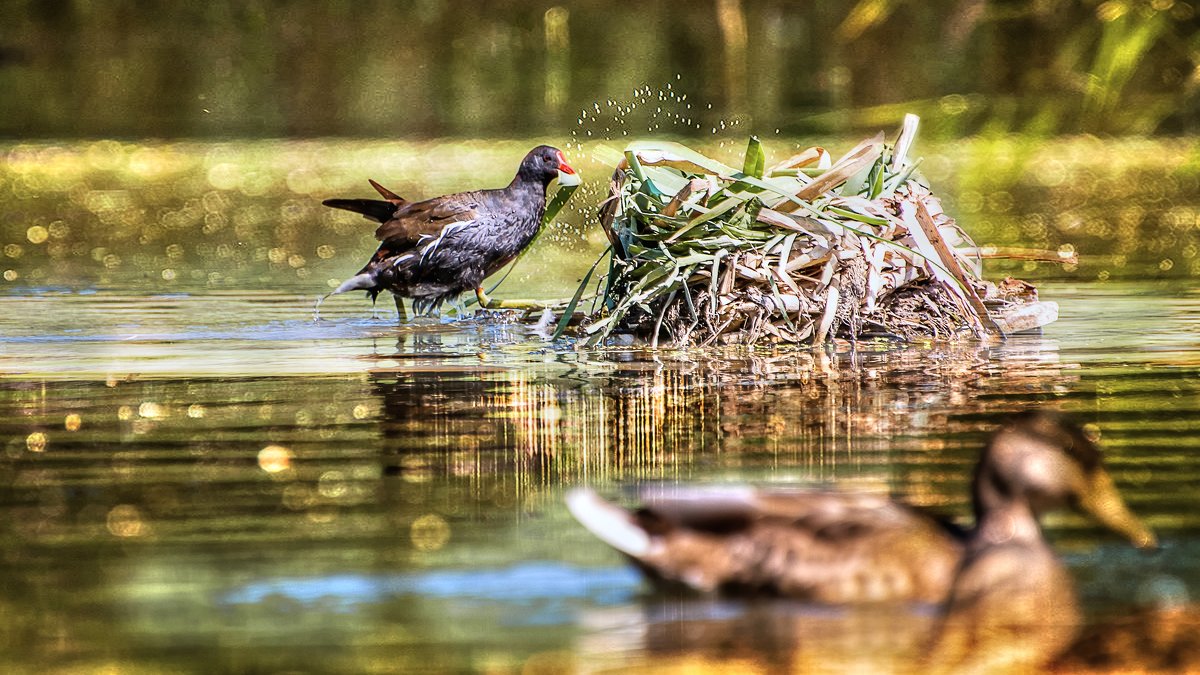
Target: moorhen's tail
[377,210]
[386,193]
[361,281]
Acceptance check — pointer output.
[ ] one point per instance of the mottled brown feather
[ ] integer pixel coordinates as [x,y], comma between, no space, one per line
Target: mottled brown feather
[827,547]
[1006,600]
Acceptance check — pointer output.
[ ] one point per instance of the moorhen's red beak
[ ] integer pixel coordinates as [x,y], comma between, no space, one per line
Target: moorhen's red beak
[562,164]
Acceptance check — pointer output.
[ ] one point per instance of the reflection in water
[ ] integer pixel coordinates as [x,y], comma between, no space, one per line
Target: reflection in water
[682,634]
[633,416]
[134,506]
[1162,637]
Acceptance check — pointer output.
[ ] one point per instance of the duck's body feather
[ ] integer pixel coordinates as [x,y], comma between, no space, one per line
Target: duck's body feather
[1004,596]
[818,546]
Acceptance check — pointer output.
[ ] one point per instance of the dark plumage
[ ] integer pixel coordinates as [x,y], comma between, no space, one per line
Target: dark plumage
[432,251]
[836,547]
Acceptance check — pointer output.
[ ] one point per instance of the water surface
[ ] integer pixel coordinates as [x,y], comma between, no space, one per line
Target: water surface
[221,482]
[197,476]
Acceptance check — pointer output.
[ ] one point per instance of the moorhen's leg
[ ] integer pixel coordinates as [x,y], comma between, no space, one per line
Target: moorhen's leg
[400,308]
[487,302]
[482,297]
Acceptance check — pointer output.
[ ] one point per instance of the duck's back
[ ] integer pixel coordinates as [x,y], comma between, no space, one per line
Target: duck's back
[821,546]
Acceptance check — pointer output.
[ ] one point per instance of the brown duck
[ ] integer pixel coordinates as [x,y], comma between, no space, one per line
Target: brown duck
[434,250]
[834,547]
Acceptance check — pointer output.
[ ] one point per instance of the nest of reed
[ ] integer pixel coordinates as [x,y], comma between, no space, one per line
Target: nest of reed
[800,252]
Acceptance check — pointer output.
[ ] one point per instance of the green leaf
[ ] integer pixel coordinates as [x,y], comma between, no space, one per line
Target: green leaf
[756,159]
[570,308]
[876,180]
[561,196]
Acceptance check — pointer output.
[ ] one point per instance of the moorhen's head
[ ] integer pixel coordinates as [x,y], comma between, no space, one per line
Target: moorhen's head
[543,164]
[1040,458]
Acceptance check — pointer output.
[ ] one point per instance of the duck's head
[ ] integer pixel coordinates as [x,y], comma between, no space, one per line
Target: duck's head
[1041,459]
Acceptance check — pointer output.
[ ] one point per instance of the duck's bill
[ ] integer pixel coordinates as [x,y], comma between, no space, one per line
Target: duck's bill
[1104,503]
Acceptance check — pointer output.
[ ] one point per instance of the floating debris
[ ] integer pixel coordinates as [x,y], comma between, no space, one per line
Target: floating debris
[798,252]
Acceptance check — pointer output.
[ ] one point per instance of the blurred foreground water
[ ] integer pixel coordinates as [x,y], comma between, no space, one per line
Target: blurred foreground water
[196,476]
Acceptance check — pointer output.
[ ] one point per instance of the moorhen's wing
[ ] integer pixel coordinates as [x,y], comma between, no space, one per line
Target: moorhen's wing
[822,546]
[428,222]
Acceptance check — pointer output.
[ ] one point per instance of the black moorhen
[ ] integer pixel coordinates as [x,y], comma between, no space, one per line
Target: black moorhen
[432,251]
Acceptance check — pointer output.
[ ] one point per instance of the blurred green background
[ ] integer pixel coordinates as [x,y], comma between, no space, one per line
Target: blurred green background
[505,68]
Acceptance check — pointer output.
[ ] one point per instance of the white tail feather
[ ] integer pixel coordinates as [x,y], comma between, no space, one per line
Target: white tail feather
[354,283]
[611,524]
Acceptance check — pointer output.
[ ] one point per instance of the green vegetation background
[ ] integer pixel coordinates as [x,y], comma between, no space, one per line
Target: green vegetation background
[509,68]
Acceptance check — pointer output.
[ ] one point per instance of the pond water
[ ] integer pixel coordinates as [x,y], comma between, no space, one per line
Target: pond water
[197,476]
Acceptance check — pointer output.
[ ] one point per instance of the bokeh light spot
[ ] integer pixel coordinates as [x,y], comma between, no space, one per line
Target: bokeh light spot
[224,176]
[1111,11]
[332,485]
[37,234]
[124,520]
[36,442]
[954,104]
[73,422]
[275,458]
[151,410]
[298,497]
[430,532]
